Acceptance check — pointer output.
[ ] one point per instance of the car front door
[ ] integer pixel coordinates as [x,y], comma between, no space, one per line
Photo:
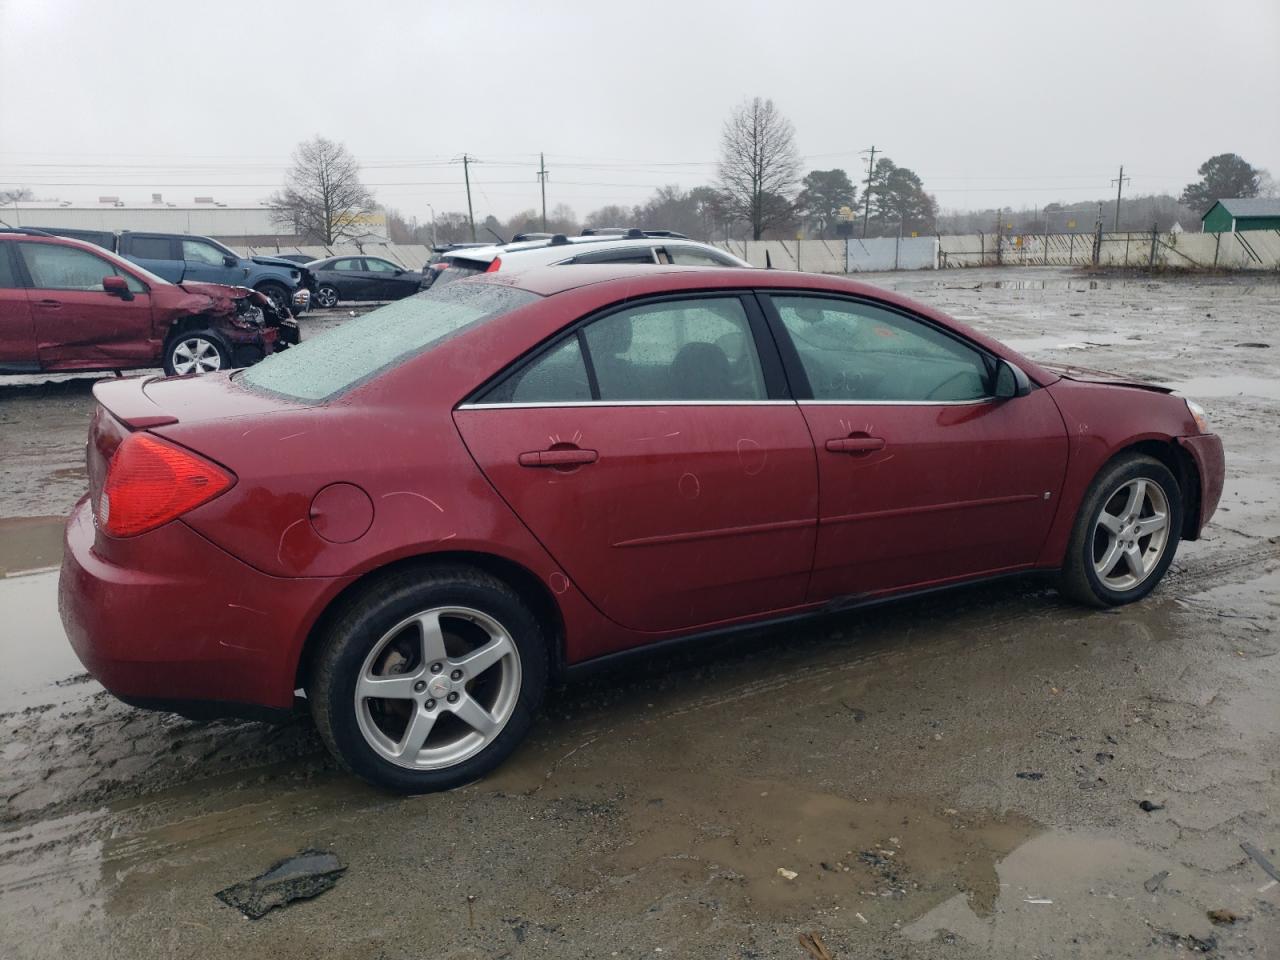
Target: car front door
[17,333]
[205,262]
[77,324]
[393,283]
[924,477]
[654,453]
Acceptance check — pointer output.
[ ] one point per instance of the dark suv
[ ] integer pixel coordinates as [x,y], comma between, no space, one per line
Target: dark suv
[67,305]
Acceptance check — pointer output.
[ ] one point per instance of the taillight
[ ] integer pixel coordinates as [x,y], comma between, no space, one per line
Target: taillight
[150,482]
[494,266]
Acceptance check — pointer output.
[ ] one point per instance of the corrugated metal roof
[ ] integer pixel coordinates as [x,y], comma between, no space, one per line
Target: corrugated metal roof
[1250,207]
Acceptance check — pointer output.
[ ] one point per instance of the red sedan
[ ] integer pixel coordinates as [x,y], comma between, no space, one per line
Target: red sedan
[421,517]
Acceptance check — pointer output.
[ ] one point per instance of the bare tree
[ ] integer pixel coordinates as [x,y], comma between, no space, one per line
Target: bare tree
[17,195]
[323,198]
[759,166]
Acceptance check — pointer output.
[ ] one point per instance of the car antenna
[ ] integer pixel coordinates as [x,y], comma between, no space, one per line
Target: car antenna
[496,234]
[768,260]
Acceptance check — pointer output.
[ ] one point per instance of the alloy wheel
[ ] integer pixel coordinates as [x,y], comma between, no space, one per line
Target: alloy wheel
[196,355]
[437,688]
[327,297]
[1130,534]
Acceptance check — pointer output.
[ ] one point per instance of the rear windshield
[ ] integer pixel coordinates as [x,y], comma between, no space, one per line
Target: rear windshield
[459,270]
[323,366]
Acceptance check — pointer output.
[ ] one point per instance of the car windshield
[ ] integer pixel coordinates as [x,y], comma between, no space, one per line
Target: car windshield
[333,362]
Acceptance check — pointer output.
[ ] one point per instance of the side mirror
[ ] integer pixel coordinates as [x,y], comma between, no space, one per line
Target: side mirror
[115,286]
[229,261]
[1010,381]
[399,271]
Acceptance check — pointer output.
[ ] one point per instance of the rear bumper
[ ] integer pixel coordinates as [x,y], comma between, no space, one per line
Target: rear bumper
[1206,451]
[169,618]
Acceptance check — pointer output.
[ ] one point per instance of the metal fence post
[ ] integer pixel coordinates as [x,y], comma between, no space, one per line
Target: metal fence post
[1152,261]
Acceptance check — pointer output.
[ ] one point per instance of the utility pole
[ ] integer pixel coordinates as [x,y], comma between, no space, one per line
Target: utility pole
[466,175]
[542,177]
[1119,182]
[866,210]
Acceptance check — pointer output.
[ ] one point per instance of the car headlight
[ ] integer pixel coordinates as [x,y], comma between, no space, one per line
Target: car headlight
[1198,415]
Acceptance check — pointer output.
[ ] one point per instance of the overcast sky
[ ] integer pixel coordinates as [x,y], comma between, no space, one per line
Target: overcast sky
[992,103]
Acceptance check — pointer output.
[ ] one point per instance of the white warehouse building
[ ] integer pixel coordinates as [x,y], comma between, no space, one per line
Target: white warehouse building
[244,223]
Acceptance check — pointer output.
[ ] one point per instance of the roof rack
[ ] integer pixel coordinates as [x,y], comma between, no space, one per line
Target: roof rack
[531,236]
[26,231]
[634,233]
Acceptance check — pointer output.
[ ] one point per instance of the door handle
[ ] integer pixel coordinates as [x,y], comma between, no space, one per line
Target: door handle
[570,457]
[49,303]
[855,445]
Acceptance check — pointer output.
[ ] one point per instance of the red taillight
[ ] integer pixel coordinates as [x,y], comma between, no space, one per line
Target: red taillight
[494,266]
[150,482]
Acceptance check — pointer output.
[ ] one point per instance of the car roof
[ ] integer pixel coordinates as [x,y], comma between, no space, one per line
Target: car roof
[544,251]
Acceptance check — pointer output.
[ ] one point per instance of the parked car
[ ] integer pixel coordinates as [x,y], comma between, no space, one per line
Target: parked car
[604,245]
[301,258]
[362,278]
[179,257]
[503,480]
[70,305]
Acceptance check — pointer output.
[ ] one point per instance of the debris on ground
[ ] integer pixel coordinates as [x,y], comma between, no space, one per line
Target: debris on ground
[1039,900]
[1029,775]
[300,877]
[1222,917]
[1260,859]
[1154,883]
[812,942]
[786,874]
[1189,942]
[1256,345]
[1148,806]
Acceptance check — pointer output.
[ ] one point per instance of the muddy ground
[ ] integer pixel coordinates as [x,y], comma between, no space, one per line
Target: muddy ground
[955,777]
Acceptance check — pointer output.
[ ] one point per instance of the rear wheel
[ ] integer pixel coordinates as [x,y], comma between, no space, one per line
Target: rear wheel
[1125,535]
[196,351]
[429,679]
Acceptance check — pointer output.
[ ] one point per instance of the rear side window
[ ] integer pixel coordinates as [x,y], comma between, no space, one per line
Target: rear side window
[693,257]
[150,248]
[625,255]
[337,360]
[559,376]
[351,264]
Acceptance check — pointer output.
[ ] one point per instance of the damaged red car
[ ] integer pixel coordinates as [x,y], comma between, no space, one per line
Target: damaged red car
[414,523]
[67,305]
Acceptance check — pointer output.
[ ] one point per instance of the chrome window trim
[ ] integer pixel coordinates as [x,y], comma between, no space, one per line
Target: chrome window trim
[724,403]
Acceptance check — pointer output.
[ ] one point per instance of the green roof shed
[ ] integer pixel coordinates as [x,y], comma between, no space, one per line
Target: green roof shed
[1233,216]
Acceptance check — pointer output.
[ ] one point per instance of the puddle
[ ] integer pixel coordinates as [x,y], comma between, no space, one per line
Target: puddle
[30,543]
[1069,893]
[1056,342]
[33,646]
[1233,386]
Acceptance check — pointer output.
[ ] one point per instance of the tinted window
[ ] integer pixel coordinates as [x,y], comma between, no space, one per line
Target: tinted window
[693,257]
[352,263]
[676,350]
[854,351]
[625,255]
[325,365]
[558,376]
[200,252]
[379,266]
[150,248]
[68,268]
[8,277]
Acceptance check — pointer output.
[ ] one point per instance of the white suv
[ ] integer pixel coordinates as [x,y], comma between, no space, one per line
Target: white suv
[632,246]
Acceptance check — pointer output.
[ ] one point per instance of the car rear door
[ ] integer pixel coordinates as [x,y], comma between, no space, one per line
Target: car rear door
[17,333]
[77,324]
[653,451]
[924,477]
[160,254]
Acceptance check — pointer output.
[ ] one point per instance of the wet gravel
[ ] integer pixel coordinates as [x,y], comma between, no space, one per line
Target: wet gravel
[958,776]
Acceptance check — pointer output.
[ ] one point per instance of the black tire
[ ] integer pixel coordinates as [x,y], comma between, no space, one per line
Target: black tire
[327,295]
[279,296]
[1079,580]
[181,349]
[366,619]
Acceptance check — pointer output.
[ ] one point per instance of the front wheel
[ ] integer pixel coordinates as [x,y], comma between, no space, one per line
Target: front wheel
[280,297]
[196,351]
[327,295]
[429,679]
[1125,535]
